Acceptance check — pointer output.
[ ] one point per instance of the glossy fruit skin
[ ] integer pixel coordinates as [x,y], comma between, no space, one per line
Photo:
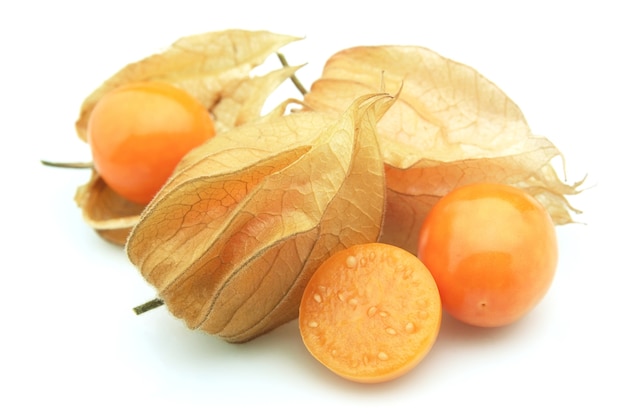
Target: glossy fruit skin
[492,250]
[139,132]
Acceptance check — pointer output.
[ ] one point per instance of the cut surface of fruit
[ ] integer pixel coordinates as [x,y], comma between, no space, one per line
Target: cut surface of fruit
[370,313]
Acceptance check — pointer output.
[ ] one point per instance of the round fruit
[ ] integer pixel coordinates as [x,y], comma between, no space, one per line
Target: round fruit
[139,132]
[492,250]
[370,313]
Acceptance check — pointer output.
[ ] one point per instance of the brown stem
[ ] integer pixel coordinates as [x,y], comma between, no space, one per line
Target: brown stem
[148,306]
[293,78]
[67,164]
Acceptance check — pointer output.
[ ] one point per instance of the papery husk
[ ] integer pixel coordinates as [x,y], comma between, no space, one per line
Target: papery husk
[214,68]
[451,126]
[232,239]
[205,65]
[109,214]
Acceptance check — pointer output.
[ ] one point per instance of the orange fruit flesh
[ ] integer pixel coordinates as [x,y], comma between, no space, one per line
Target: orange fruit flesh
[370,313]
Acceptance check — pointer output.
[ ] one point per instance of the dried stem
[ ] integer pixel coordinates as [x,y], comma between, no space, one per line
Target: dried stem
[67,164]
[148,306]
[293,78]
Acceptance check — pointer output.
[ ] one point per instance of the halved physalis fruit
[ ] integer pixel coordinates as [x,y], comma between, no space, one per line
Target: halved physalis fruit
[370,313]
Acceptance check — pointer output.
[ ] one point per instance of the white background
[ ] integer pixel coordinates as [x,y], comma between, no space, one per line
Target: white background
[69,338]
